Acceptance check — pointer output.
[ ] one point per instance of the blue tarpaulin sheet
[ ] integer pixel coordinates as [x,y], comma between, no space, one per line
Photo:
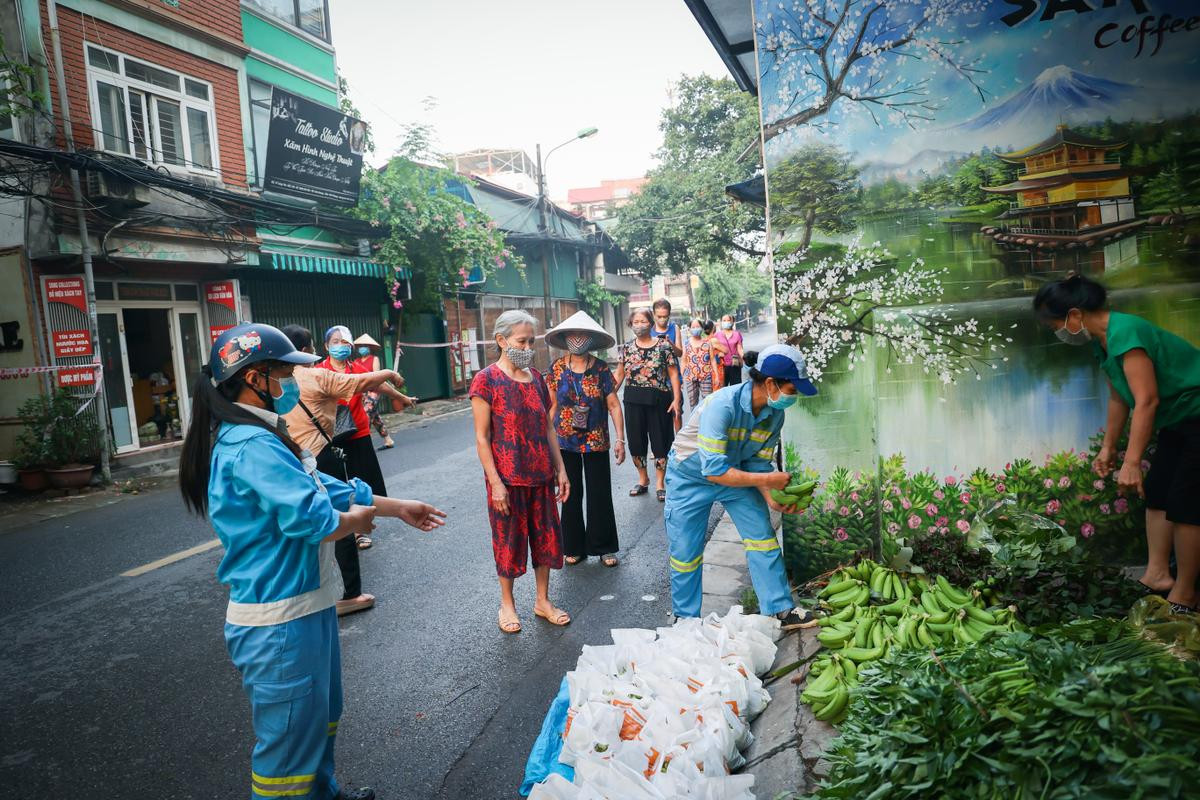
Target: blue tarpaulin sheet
[543,759]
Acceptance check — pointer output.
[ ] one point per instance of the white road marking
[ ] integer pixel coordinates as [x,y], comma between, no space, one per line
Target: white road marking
[607,596]
[649,598]
[171,559]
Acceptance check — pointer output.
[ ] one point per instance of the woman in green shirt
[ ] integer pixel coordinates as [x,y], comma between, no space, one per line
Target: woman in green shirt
[1156,374]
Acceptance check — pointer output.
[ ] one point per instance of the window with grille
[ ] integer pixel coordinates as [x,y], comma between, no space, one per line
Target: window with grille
[153,114]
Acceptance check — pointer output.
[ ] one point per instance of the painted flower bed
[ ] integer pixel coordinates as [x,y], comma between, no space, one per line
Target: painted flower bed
[852,511]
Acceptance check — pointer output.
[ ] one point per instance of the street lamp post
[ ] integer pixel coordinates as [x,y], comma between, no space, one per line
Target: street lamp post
[543,224]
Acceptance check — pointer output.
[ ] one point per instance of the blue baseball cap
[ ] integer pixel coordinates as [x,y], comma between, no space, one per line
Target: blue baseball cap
[784,363]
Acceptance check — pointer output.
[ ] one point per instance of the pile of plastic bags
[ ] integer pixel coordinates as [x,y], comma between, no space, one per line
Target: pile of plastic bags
[665,714]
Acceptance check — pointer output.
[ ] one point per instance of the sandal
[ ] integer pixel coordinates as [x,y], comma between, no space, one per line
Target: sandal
[364,542]
[1180,608]
[796,618]
[512,625]
[609,560]
[641,488]
[662,495]
[560,617]
[573,560]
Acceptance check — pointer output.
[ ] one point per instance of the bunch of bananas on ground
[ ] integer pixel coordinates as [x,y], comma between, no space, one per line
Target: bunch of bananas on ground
[798,494]
[908,612]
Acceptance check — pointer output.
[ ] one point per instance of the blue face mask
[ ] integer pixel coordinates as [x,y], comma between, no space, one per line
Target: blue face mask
[340,351]
[364,351]
[289,395]
[782,401]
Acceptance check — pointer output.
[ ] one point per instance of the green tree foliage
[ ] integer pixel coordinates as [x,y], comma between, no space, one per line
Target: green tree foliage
[682,216]
[431,229]
[816,188]
[726,286]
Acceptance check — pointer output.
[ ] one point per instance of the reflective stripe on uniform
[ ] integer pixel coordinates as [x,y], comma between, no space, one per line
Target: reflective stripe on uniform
[333,726]
[761,545]
[736,434]
[766,454]
[710,445]
[759,435]
[687,566]
[286,786]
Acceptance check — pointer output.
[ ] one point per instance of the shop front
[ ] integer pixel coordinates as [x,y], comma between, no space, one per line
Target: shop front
[154,337]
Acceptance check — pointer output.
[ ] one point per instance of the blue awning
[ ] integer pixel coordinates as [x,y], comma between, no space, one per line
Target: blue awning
[332,265]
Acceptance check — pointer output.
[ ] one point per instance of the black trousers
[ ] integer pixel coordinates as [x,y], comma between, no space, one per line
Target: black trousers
[361,463]
[649,423]
[589,474]
[733,375]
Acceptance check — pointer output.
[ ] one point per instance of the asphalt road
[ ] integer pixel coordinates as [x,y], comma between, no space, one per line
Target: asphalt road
[121,686]
[115,686]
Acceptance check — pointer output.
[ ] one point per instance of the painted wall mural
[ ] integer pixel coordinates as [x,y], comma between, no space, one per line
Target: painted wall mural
[943,159]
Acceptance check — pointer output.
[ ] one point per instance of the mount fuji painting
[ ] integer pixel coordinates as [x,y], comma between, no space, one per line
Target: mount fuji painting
[1058,91]
[1059,95]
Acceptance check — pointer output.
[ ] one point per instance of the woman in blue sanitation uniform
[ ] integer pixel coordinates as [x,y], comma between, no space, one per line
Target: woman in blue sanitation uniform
[724,454]
[278,518]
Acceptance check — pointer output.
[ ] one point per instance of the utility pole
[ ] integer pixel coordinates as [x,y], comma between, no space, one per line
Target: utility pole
[543,234]
[85,248]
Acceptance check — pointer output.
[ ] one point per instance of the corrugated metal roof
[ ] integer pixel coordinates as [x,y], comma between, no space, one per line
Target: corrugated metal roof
[729,25]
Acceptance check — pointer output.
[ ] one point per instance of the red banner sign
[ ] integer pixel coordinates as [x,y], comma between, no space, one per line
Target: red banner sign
[72,343]
[216,330]
[68,291]
[221,293]
[76,376]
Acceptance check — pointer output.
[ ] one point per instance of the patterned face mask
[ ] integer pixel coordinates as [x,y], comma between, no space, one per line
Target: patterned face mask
[578,343]
[520,357]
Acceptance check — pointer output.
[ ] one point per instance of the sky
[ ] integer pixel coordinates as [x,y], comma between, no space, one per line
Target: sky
[1012,59]
[513,73]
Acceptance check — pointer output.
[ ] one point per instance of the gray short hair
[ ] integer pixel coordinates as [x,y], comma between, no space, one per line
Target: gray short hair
[511,319]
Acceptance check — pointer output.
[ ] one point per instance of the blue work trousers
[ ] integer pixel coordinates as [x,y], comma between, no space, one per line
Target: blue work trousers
[689,503]
[292,673]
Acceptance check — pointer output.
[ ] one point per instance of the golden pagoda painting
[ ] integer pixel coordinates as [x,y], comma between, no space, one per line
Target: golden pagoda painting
[1070,191]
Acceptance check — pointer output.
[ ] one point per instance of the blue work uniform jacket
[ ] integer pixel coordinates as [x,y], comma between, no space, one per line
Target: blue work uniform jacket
[724,433]
[271,512]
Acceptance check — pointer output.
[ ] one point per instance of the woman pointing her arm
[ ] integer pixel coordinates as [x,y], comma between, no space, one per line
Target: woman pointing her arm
[1155,375]
[278,517]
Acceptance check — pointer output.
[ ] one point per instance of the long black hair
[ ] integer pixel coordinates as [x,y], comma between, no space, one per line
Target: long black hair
[1055,299]
[212,405]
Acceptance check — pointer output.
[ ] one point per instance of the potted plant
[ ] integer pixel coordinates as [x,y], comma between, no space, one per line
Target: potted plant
[30,457]
[72,442]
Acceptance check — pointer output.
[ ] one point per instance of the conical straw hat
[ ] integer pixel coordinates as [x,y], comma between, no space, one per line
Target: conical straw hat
[367,340]
[579,322]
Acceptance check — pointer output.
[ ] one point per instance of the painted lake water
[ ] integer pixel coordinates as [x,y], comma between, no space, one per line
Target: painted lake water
[1047,397]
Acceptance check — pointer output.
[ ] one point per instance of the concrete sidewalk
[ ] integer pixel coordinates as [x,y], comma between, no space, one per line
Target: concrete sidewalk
[786,757]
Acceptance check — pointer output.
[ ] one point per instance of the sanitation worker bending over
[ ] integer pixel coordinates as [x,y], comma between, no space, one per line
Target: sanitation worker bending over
[724,454]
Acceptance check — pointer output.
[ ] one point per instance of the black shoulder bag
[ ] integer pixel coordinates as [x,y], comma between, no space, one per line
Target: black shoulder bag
[332,460]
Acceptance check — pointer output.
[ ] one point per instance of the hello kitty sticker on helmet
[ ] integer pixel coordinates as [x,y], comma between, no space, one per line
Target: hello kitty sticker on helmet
[239,348]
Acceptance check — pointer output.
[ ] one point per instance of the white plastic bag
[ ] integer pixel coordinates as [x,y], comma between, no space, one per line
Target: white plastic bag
[555,787]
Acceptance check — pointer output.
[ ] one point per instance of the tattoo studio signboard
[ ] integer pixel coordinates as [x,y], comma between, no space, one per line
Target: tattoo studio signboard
[313,151]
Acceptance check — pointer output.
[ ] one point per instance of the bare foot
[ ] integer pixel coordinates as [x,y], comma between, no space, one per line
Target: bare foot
[547,611]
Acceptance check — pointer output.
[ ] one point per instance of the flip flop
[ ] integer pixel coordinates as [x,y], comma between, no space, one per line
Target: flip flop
[1146,590]
[1180,608]
[560,619]
[662,495]
[641,488]
[363,542]
[573,560]
[508,626]
[609,560]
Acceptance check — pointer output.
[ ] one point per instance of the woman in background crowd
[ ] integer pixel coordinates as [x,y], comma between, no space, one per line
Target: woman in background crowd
[582,396]
[735,350]
[518,449]
[367,351]
[698,371]
[650,372]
